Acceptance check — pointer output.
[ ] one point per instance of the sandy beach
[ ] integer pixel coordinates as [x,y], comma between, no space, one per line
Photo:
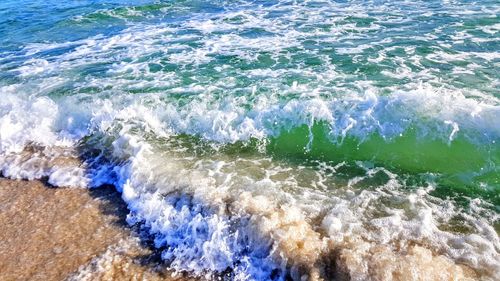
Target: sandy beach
[67,233]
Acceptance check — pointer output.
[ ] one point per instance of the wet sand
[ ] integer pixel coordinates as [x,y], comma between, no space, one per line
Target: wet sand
[64,233]
[81,234]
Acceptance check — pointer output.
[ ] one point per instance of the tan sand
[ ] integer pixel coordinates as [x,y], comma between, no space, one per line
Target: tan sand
[80,234]
[60,233]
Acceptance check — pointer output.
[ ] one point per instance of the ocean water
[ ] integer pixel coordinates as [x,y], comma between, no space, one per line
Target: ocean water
[269,140]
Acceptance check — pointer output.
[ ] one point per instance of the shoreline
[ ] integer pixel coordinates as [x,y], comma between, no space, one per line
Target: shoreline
[58,233]
[70,233]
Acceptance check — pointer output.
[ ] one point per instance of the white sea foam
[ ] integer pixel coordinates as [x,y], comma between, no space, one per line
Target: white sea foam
[215,214]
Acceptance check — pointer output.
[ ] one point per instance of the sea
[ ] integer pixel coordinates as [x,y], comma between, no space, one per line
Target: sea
[269,140]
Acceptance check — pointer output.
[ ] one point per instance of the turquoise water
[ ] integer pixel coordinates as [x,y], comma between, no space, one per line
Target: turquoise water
[367,121]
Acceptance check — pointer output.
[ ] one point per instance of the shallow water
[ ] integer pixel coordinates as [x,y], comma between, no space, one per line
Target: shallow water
[269,139]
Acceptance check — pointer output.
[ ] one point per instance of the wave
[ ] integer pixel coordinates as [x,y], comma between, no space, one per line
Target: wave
[419,131]
[208,184]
